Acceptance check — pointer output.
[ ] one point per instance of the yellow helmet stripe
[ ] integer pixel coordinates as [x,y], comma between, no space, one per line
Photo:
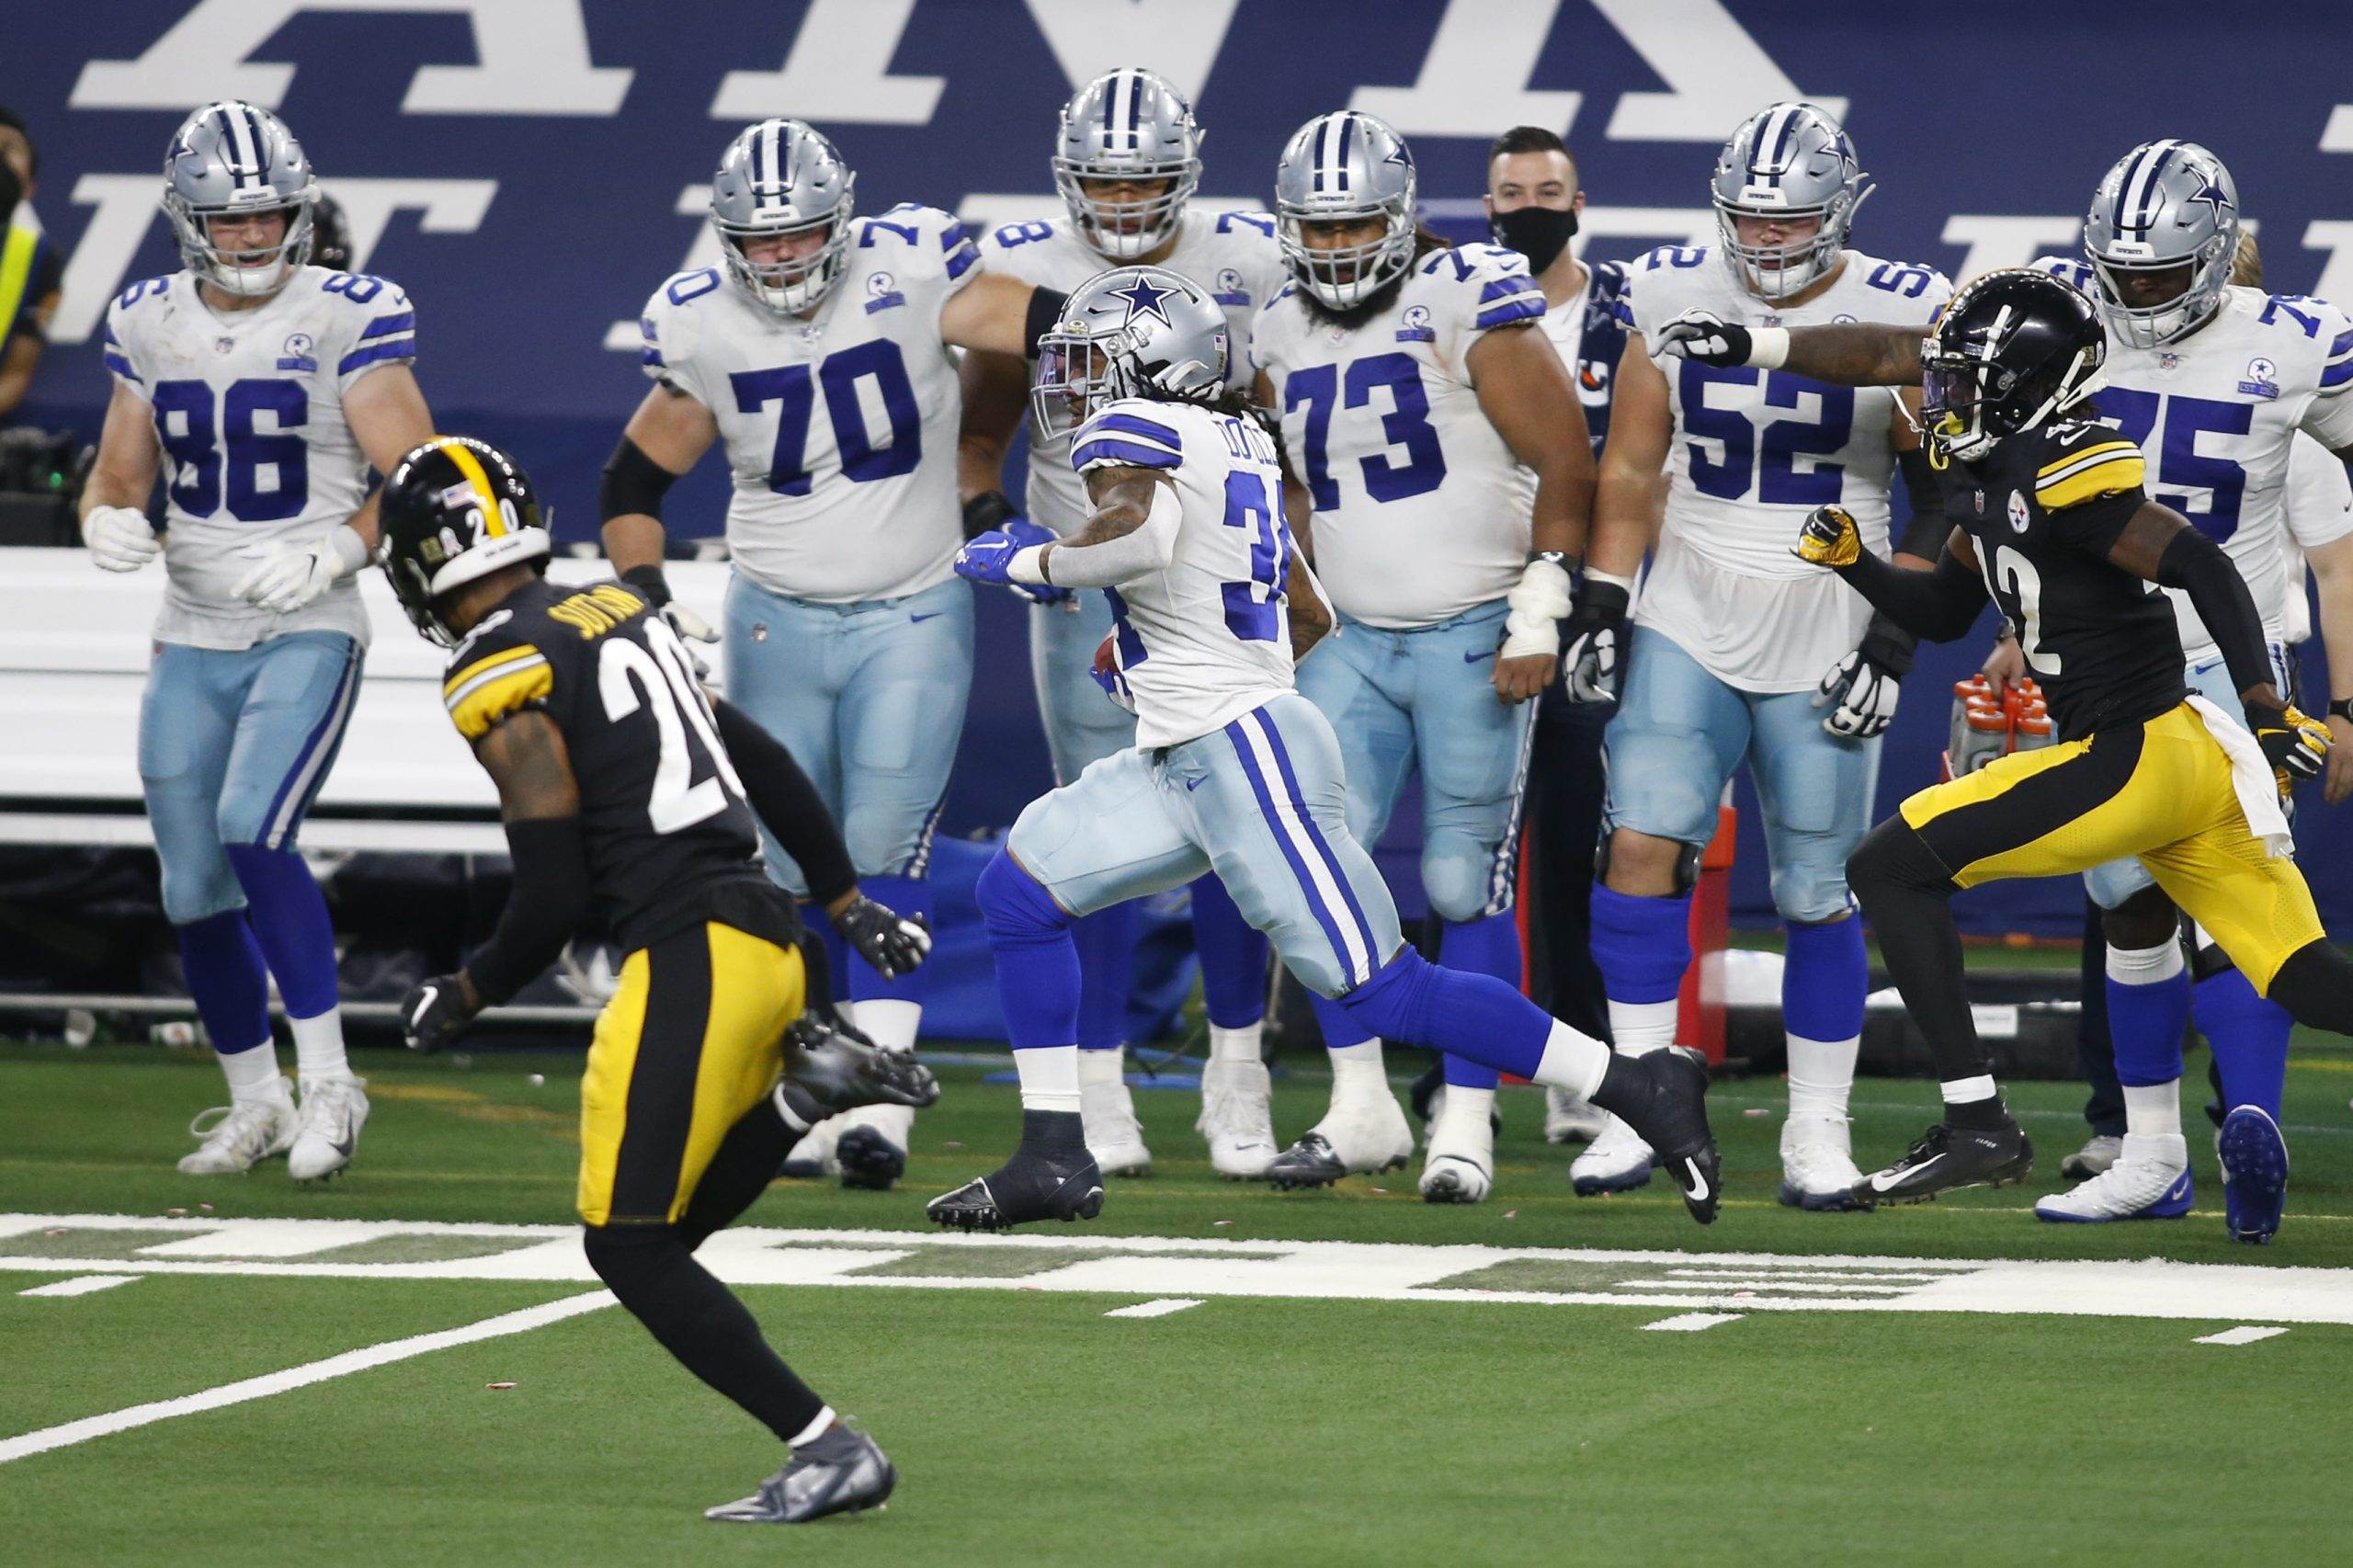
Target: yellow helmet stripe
[471,466]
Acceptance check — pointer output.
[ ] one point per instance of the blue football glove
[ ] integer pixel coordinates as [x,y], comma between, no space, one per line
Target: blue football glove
[988,557]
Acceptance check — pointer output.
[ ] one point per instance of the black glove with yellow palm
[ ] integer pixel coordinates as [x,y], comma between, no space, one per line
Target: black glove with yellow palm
[2295,744]
[1829,537]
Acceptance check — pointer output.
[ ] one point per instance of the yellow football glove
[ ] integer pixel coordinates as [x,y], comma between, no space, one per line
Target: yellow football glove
[1829,537]
[2294,743]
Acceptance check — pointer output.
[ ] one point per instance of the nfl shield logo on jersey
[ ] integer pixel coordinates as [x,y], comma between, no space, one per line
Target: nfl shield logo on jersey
[2018,512]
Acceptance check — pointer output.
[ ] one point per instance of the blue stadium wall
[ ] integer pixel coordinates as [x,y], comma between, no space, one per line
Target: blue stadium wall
[525,168]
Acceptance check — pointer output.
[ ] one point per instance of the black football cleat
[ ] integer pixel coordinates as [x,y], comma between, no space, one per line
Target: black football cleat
[842,1471]
[1675,1124]
[830,1068]
[1946,1157]
[1027,1186]
[1311,1161]
[869,1160]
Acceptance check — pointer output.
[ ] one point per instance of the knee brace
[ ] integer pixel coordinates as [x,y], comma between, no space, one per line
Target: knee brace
[1016,907]
[1687,863]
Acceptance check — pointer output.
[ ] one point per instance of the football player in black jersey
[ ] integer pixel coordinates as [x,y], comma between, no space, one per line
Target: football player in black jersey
[629,799]
[2053,519]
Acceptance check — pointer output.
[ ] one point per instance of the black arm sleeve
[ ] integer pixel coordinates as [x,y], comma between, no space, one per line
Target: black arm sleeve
[548,903]
[787,803]
[1045,308]
[1926,534]
[633,482]
[2197,566]
[1937,606]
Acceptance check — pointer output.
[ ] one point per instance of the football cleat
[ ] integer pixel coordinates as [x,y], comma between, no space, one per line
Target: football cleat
[2254,1174]
[1113,1135]
[1675,1124]
[1459,1165]
[246,1134]
[1570,1119]
[829,1068]
[812,1159]
[2150,1180]
[326,1127]
[1237,1118]
[1946,1157]
[1027,1186]
[1368,1134]
[2097,1154]
[1818,1170]
[868,1158]
[841,1471]
[1616,1161]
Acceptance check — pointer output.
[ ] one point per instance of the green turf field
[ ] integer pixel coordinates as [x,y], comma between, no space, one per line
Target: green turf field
[1486,1391]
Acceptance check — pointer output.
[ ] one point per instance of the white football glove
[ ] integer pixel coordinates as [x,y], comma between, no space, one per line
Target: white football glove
[1861,693]
[293,579]
[119,538]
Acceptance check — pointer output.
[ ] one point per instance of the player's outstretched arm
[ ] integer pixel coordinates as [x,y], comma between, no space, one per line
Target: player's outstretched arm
[1526,395]
[1938,604]
[1854,353]
[1131,533]
[999,313]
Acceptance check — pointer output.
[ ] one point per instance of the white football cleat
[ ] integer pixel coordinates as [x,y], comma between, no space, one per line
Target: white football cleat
[2149,1181]
[247,1132]
[1570,1118]
[812,1159]
[326,1127]
[1365,1132]
[1818,1170]
[1459,1164]
[2097,1154]
[1114,1137]
[1618,1161]
[1237,1118]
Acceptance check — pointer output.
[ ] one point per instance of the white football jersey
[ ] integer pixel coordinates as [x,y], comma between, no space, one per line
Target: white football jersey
[1421,510]
[248,406]
[1753,452]
[2215,414]
[1208,637]
[1231,257]
[2319,511]
[840,430]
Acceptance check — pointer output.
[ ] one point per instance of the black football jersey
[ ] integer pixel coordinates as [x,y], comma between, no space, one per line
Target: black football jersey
[671,842]
[2043,509]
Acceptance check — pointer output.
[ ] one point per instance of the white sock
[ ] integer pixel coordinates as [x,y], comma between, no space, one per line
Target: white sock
[889,1024]
[1100,1067]
[1822,1072]
[1573,1061]
[1357,1069]
[1049,1077]
[816,1428]
[1640,1028]
[253,1074]
[318,1046]
[1963,1091]
[2144,966]
[1243,1044]
[2153,1110]
[1467,1108]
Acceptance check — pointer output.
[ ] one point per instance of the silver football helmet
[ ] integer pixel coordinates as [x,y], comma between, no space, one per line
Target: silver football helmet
[1131,332]
[230,161]
[1128,125]
[782,177]
[2166,207]
[1789,161]
[1345,167]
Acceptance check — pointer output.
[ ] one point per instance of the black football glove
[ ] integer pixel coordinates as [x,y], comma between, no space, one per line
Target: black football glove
[434,1013]
[1593,657]
[2293,742]
[1705,338]
[890,941]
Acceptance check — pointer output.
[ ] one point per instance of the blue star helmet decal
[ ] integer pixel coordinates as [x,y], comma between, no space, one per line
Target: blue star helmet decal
[1143,300]
[2215,196]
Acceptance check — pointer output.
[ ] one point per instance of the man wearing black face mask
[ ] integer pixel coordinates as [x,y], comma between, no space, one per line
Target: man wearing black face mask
[1533,202]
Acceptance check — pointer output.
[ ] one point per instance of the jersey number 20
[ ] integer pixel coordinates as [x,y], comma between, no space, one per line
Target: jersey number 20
[627,678]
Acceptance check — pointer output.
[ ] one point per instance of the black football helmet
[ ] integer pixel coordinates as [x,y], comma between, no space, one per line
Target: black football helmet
[2012,348]
[455,509]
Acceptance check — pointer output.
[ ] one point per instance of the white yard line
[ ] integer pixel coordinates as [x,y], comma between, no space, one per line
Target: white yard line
[1692,1322]
[2238,1335]
[80,1287]
[268,1384]
[1159,1309]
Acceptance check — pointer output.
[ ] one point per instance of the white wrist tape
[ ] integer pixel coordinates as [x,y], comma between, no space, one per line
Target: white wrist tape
[351,549]
[1768,347]
[1539,600]
[1026,565]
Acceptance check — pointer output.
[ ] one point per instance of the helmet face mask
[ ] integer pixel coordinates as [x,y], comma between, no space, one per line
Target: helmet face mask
[2166,210]
[780,178]
[454,511]
[2013,349]
[1126,128]
[1346,169]
[1131,332]
[1788,163]
[229,163]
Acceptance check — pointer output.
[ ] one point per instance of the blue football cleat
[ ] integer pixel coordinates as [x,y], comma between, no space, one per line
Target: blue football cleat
[2149,1181]
[2254,1174]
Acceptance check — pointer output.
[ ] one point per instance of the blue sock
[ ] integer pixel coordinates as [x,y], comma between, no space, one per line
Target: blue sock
[910,896]
[2146,1017]
[2249,1038]
[1234,956]
[1488,946]
[1475,1016]
[1824,981]
[1107,966]
[1641,945]
[226,980]
[1340,1029]
[289,921]
[1037,962]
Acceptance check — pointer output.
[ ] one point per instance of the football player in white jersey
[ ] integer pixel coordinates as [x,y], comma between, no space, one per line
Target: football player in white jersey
[273,387]
[1232,772]
[1450,479]
[1127,159]
[1736,651]
[820,355]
